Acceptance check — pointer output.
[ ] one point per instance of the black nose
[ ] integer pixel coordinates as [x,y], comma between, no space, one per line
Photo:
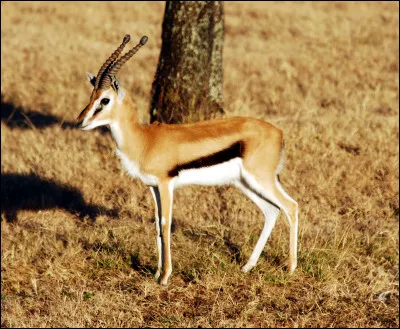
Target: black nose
[79,124]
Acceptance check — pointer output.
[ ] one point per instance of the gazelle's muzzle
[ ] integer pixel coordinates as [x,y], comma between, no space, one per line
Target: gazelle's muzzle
[81,117]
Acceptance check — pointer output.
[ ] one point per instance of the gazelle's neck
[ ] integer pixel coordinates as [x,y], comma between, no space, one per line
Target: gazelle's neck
[125,128]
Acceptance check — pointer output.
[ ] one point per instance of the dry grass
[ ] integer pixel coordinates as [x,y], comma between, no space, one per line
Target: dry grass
[78,240]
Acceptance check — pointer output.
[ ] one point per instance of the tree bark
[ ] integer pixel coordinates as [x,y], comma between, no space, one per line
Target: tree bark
[188,83]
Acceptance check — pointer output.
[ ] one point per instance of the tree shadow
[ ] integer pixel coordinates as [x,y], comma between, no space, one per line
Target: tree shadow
[17,117]
[31,192]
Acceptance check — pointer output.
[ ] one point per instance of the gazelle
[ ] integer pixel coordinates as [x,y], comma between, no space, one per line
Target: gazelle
[245,152]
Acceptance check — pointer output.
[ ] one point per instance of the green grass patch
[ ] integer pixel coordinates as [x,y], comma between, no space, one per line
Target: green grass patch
[87,295]
[318,263]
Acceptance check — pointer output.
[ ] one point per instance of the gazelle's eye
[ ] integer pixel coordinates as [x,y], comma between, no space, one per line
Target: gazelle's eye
[105,101]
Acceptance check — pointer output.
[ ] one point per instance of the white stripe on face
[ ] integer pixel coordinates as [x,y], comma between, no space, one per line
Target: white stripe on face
[90,122]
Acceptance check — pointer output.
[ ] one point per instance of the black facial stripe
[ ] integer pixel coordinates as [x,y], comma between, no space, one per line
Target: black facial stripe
[97,110]
[233,151]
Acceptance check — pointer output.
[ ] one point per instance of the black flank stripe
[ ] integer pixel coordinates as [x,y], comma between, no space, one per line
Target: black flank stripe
[233,151]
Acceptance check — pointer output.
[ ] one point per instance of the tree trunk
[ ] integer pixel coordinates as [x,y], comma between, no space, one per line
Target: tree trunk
[188,83]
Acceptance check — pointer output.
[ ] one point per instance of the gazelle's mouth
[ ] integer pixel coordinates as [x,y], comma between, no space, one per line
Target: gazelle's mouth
[81,126]
[85,127]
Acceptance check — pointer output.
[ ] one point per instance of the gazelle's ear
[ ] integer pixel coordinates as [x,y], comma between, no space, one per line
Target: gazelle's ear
[116,86]
[91,78]
[115,83]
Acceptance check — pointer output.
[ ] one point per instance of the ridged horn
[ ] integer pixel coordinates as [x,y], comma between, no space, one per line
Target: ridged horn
[109,61]
[115,67]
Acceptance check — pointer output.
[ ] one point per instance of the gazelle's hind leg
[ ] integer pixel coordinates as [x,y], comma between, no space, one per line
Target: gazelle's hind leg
[270,213]
[270,188]
[291,209]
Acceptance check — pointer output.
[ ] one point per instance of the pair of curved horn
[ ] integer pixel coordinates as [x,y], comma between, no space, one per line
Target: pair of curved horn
[111,66]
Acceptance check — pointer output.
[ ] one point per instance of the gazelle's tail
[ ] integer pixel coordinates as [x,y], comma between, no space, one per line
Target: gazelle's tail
[282,160]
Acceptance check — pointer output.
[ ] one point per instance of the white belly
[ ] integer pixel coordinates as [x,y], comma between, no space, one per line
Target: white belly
[221,174]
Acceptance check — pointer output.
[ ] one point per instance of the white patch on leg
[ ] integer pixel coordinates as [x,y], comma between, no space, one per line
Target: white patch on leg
[163,221]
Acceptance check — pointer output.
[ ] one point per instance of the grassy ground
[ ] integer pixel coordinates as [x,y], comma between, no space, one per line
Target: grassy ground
[77,234]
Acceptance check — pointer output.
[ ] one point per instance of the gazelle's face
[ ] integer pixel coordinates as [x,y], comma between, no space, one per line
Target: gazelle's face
[107,93]
[101,107]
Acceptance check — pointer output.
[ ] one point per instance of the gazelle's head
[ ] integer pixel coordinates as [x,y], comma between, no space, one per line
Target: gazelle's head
[107,92]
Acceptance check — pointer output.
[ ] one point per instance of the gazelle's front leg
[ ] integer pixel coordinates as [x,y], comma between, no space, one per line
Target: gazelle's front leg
[157,202]
[166,189]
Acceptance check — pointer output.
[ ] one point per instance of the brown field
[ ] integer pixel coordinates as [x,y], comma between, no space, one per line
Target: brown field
[78,242]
